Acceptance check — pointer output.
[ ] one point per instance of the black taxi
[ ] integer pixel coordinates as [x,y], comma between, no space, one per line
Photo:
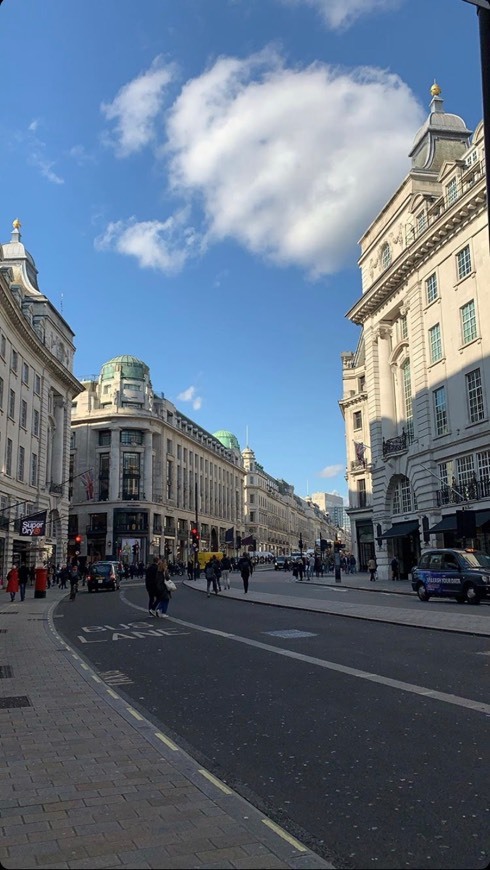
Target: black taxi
[453,573]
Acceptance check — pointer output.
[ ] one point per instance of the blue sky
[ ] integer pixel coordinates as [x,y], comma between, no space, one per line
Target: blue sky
[193,176]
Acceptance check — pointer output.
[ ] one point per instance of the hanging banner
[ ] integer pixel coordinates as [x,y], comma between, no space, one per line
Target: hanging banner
[34,525]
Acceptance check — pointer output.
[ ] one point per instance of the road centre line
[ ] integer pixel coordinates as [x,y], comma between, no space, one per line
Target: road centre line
[446,698]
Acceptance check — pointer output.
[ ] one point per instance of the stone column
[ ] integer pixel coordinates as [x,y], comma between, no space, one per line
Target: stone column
[385,382]
[58,441]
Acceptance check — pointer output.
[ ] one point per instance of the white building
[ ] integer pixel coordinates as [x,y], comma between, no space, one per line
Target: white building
[36,391]
[144,474]
[415,392]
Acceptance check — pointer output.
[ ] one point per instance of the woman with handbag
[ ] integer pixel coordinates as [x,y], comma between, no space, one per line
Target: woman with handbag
[163,592]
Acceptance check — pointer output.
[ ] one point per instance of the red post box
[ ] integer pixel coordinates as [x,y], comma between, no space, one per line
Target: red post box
[41,583]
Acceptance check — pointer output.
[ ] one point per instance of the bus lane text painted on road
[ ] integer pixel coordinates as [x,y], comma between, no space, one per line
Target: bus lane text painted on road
[125,631]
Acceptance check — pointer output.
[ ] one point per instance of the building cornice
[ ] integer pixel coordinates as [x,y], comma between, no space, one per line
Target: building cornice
[461,212]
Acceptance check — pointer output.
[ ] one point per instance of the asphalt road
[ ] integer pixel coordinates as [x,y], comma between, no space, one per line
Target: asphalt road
[367,741]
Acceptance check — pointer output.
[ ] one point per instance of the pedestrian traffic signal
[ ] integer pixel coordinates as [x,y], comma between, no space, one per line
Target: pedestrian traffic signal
[78,539]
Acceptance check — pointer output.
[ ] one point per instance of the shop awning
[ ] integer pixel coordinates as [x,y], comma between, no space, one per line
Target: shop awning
[399,530]
[482,517]
[447,524]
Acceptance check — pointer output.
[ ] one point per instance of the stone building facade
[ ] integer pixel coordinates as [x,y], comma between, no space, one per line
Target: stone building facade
[144,474]
[415,391]
[37,388]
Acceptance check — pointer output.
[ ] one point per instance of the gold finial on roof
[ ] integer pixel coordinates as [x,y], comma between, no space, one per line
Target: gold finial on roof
[435,89]
[16,224]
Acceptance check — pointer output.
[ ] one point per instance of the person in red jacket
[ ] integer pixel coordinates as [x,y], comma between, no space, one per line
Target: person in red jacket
[13,582]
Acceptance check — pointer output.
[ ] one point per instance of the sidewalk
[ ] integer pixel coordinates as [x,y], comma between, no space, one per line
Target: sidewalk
[87,782]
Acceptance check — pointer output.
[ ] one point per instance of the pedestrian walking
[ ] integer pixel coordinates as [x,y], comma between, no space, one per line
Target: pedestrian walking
[245,568]
[311,567]
[74,578]
[163,593]
[190,569]
[372,569]
[395,569]
[151,586]
[23,579]
[225,572]
[13,582]
[210,574]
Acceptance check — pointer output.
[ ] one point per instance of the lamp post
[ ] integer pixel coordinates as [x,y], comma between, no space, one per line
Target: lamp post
[483,12]
[300,542]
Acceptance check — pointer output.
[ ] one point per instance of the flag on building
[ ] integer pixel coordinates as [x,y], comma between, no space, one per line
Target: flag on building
[34,525]
[88,482]
[247,541]
[360,449]
[230,536]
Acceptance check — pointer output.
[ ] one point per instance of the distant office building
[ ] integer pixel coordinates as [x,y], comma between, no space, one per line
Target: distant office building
[37,387]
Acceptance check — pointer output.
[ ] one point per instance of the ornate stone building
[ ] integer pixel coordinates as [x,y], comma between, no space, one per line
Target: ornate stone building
[415,391]
[36,391]
[144,474]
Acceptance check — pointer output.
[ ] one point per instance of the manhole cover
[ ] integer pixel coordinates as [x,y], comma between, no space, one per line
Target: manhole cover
[291,632]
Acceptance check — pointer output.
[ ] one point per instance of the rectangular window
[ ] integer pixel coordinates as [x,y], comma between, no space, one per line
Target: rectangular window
[169,479]
[25,373]
[440,411]
[483,460]
[131,475]
[21,464]
[357,420]
[468,322]
[474,393]
[35,422]
[452,191]
[37,384]
[8,458]
[465,470]
[431,288]
[34,469]
[463,260]
[362,383]
[421,222]
[1,393]
[169,447]
[3,345]
[403,327]
[471,158]
[252,516]
[406,496]
[14,362]
[361,493]
[12,404]
[131,436]
[435,343]
[23,414]
[104,464]
[104,438]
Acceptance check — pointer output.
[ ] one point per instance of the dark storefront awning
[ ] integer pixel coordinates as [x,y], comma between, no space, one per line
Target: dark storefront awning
[482,517]
[447,524]
[399,530]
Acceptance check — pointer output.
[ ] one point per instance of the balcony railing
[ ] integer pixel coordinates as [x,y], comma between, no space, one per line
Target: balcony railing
[398,444]
[462,492]
[358,464]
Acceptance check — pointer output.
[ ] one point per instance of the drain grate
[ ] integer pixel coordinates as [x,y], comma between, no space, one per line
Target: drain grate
[14,701]
[5,672]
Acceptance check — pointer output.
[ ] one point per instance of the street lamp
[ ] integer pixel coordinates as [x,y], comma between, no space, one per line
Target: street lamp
[300,542]
[483,12]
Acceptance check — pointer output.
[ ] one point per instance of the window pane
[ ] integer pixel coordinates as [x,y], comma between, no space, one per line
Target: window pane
[435,343]
[468,322]
[474,392]
[431,288]
[440,412]
[464,262]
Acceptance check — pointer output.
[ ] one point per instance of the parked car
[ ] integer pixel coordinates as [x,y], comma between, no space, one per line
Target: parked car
[103,575]
[453,573]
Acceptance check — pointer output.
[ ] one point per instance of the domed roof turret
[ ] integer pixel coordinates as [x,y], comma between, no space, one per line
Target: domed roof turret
[227,439]
[442,137]
[127,366]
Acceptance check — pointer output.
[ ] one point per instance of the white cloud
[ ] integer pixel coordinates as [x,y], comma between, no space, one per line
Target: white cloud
[136,107]
[331,470]
[189,395]
[339,14]
[292,164]
[45,167]
[80,154]
[33,125]
[163,245]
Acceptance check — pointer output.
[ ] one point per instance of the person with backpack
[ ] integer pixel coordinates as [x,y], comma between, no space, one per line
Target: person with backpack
[211,578]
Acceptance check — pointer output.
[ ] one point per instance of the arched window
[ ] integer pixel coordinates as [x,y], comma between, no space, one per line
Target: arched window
[385,255]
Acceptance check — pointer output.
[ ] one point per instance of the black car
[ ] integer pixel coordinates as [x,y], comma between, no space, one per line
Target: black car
[453,573]
[280,563]
[103,575]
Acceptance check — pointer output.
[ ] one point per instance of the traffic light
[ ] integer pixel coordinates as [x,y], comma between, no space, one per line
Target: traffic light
[195,538]
[78,539]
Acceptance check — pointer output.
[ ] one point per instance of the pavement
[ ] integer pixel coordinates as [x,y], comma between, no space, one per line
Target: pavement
[87,782]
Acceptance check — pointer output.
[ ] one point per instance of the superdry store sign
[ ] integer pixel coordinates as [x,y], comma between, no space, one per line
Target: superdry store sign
[34,526]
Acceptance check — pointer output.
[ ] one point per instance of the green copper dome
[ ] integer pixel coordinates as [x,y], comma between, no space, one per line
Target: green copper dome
[127,366]
[227,439]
